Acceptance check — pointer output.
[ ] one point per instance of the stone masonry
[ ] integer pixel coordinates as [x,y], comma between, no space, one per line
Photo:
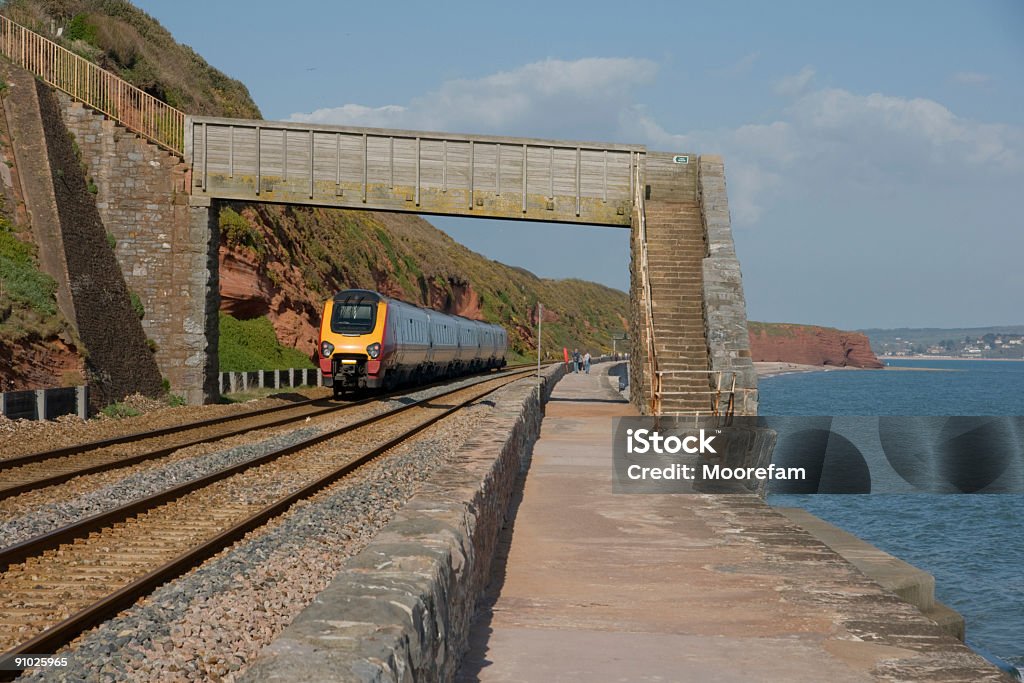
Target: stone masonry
[724,305]
[166,247]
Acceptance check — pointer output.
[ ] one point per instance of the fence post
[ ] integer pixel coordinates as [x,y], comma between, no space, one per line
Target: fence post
[82,401]
[40,404]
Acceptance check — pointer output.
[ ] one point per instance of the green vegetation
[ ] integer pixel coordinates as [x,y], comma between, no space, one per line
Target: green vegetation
[79,28]
[175,401]
[28,297]
[253,345]
[118,410]
[238,232]
[122,38]
[137,306]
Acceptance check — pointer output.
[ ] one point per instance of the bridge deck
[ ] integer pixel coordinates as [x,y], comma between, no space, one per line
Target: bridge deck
[415,171]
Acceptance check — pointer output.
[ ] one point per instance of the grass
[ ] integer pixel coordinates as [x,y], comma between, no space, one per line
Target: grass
[119,410]
[252,345]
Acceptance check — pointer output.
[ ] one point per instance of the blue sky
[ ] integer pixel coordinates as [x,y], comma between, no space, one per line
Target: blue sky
[874,151]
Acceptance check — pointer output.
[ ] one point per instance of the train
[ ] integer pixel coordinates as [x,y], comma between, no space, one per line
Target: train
[371,341]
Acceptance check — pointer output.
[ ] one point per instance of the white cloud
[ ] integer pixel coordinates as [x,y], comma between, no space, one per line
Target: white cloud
[971,78]
[833,140]
[825,140]
[794,85]
[541,98]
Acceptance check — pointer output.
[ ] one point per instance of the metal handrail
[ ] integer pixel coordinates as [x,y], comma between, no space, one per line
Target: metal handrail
[652,358]
[98,88]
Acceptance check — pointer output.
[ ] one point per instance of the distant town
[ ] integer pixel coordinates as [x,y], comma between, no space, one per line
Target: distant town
[990,345]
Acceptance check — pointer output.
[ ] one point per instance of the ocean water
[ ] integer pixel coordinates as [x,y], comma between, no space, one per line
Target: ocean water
[972,544]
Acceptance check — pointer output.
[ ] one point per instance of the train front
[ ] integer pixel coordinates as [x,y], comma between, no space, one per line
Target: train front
[352,340]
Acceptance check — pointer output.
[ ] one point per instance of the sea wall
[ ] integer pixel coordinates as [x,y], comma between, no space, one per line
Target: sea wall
[401,608]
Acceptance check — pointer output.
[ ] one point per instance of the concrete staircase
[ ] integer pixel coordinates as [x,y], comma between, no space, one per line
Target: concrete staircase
[675,247]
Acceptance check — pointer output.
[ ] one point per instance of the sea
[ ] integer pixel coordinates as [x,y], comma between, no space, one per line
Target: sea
[972,543]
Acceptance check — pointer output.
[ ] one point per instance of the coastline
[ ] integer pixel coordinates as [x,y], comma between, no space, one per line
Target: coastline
[926,357]
[776,368]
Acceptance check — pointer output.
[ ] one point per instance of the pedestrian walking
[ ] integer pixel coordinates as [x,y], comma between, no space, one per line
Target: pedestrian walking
[586,362]
[577,361]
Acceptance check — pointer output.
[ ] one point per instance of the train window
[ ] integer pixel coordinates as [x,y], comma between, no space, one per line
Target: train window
[348,318]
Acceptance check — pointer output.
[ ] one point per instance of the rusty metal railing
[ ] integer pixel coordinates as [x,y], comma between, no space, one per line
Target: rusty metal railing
[721,393]
[98,88]
[639,191]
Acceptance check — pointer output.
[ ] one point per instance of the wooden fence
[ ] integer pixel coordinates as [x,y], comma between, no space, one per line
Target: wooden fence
[98,88]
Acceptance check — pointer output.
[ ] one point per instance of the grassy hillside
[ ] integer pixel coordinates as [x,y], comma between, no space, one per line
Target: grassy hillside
[122,38]
[405,257]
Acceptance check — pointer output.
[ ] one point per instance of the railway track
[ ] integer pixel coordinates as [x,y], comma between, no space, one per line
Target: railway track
[59,584]
[33,471]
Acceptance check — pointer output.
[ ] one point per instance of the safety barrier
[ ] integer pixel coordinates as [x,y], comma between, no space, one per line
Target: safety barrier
[98,88]
[45,404]
[232,382]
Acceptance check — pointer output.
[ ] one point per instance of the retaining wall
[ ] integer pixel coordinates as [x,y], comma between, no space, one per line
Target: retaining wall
[401,609]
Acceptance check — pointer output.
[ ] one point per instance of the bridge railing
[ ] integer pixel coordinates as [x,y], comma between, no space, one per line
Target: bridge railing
[98,88]
[640,221]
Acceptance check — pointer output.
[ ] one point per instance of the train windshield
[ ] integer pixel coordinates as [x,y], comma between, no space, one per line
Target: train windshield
[353,317]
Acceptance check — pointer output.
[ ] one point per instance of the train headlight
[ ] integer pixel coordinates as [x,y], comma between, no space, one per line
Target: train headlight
[326,349]
[373,350]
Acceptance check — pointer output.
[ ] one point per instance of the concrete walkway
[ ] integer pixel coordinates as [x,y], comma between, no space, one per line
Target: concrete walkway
[605,587]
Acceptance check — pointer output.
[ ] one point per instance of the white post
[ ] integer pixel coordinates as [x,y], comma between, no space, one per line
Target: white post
[540,322]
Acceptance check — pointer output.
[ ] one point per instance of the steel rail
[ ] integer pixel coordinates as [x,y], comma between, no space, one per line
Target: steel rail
[65,451]
[51,480]
[36,545]
[68,629]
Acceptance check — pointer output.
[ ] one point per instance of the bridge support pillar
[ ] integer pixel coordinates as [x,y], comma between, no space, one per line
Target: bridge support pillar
[196,378]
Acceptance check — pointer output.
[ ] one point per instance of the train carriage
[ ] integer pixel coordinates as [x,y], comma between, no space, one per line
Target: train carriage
[369,341]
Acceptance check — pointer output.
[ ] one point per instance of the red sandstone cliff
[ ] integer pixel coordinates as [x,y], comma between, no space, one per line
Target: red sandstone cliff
[810,345]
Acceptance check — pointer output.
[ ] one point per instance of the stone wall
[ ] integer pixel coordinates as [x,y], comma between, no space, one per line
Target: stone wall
[725,309]
[166,247]
[401,609]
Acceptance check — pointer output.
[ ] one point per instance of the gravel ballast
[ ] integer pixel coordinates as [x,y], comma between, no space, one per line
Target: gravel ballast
[211,622]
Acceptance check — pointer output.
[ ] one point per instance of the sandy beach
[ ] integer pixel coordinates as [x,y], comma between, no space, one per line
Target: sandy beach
[775,368]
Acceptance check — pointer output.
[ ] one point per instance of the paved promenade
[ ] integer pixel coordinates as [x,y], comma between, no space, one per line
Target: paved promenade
[593,586]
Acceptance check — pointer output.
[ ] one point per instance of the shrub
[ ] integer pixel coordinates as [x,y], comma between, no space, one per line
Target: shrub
[252,345]
[81,29]
[20,280]
[137,306]
[238,232]
[120,410]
